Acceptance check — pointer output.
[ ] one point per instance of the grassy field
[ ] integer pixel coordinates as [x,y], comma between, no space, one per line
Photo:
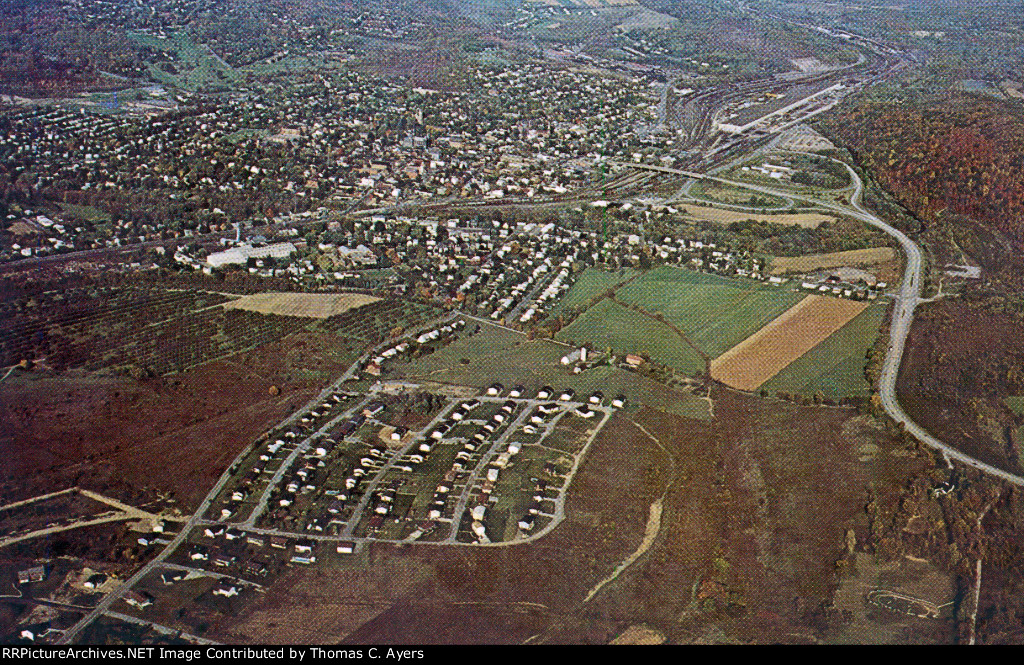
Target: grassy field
[609,325]
[772,348]
[286,65]
[734,196]
[835,367]
[1016,404]
[717,313]
[194,67]
[86,213]
[499,354]
[591,283]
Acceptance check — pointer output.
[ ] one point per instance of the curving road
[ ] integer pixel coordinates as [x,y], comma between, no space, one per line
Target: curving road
[906,301]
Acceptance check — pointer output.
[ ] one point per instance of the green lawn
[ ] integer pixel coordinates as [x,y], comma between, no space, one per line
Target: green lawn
[835,367]
[715,312]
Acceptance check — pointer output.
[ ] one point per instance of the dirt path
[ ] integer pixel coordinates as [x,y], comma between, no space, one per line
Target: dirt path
[653,526]
[42,497]
[126,512]
[976,592]
[67,527]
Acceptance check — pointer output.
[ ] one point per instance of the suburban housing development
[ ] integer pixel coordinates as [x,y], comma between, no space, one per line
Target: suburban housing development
[510,322]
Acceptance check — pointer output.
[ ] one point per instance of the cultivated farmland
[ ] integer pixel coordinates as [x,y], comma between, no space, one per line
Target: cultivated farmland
[590,284]
[764,354]
[854,257]
[834,368]
[610,325]
[307,305]
[810,220]
[715,312]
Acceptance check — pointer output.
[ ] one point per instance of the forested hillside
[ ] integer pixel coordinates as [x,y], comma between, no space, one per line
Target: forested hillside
[964,156]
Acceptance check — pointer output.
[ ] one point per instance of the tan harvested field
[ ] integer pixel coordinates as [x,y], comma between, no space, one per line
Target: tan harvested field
[810,220]
[308,305]
[772,348]
[853,257]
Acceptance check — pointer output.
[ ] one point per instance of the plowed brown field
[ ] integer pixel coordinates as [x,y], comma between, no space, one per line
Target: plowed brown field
[768,351]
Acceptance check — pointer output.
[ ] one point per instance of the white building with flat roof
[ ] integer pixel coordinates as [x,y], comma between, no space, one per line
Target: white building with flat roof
[242,253]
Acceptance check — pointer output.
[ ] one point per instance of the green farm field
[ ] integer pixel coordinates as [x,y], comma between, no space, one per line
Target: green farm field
[716,312]
[591,283]
[506,356]
[610,325]
[835,367]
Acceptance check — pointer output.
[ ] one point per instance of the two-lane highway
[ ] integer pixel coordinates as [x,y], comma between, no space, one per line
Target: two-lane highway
[903,314]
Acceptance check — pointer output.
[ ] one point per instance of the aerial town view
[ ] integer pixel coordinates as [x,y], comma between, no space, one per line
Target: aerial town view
[340,323]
